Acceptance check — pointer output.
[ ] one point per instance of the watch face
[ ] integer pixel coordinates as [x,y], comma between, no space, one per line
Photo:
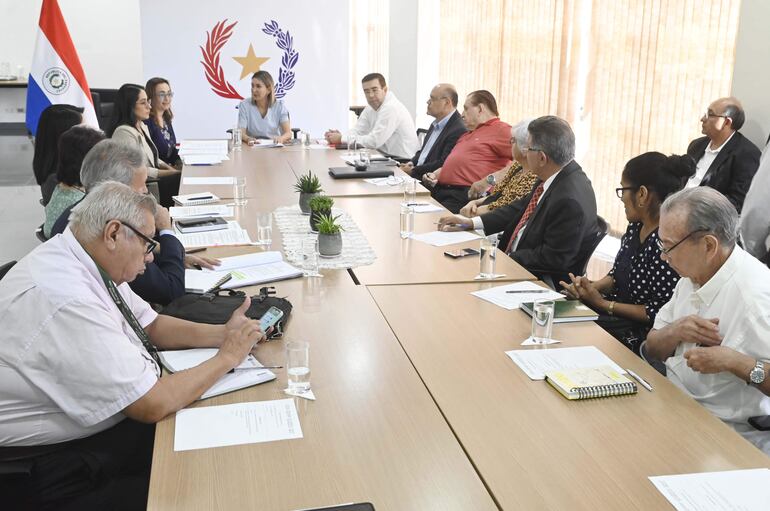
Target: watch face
[757,375]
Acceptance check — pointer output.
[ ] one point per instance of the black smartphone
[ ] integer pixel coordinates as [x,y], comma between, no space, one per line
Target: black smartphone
[463,252]
[361,506]
[760,422]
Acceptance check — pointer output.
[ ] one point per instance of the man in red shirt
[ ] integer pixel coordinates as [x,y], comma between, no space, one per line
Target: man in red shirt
[485,149]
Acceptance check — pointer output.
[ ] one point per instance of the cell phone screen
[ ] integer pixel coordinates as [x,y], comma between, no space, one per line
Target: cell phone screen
[270,318]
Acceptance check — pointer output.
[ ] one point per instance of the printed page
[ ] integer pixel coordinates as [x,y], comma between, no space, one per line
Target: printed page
[536,362]
[733,490]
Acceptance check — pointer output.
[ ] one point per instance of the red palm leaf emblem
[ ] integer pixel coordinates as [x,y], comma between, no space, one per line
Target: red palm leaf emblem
[215,40]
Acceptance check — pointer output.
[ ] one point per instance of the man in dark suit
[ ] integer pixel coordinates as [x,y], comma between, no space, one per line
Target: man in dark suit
[725,159]
[442,134]
[551,230]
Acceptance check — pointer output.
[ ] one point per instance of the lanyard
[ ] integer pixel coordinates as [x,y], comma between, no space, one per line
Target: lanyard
[129,317]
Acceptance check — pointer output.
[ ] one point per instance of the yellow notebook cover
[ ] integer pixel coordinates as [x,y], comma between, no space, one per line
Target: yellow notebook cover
[591,382]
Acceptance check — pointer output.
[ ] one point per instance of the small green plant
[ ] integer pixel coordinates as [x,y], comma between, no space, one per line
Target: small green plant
[327,224]
[308,183]
[322,203]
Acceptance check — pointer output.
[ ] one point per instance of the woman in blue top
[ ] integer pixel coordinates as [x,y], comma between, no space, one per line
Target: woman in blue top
[640,282]
[159,94]
[262,116]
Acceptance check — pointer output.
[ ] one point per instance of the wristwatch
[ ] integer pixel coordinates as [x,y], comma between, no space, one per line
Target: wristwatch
[491,180]
[757,375]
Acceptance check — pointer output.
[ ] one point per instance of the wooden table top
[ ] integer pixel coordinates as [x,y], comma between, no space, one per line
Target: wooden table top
[373,434]
[534,448]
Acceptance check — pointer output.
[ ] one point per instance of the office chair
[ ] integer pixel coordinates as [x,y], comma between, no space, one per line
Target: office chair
[6,268]
[104,105]
[421,132]
[40,235]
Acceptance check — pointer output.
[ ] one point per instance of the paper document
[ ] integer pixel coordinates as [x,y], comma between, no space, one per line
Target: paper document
[192,211]
[499,295]
[208,180]
[425,207]
[537,362]
[246,270]
[386,181]
[266,143]
[734,490]
[203,147]
[233,235]
[442,239]
[203,159]
[236,424]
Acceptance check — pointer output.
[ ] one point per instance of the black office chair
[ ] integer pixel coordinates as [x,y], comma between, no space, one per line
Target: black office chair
[39,234]
[6,268]
[104,105]
[421,132]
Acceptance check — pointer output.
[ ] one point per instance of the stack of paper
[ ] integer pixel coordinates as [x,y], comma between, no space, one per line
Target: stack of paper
[195,199]
[246,270]
[233,235]
[218,180]
[203,152]
[524,292]
[193,211]
[744,490]
[441,238]
[538,362]
[266,143]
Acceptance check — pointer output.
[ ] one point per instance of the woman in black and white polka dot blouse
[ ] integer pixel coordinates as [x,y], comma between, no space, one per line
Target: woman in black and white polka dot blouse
[640,282]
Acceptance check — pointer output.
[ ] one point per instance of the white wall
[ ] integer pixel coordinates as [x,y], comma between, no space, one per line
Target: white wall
[105,33]
[751,77]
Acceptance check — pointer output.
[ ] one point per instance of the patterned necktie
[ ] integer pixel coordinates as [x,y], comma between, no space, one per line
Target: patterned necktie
[525,217]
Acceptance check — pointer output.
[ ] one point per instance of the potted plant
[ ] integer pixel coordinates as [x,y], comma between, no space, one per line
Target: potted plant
[308,185]
[329,236]
[319,205]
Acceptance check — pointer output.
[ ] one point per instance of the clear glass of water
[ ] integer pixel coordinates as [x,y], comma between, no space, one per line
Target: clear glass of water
[363,157]
[237,138]
[305,138]
[298,366]
[239,191]
[310,257]
[265,228]
[410,191]
[351,146]
[542,320]
[487,253]
[407,221]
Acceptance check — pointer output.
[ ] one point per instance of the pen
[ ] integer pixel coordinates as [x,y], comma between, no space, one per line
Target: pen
[528,291]
[641,380]
[418,204]
[249,368]
[194,250]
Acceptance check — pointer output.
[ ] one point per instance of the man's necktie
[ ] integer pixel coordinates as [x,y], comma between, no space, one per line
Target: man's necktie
[525,217]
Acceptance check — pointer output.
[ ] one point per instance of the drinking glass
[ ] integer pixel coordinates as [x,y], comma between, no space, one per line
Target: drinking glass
[305,138]
[410,191]
[542,320]
[310,257]
[265,229]
[407,221]
[298,366]
[239,191]
[351,147]
[237,138]
[363,157]
[487,253]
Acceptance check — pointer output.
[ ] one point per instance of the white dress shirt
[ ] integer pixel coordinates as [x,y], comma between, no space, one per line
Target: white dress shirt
[739,295]
[755,215]
[69,362]
[389,129]
[709,155]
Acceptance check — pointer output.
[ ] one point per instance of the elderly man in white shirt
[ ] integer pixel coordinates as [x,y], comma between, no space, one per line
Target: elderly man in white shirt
[713,334]
[78,361]
[385,124]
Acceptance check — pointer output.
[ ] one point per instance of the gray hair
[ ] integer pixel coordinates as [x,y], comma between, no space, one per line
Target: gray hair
[520,131]
[554,137]
[110,160]
[109,201]
[705,210]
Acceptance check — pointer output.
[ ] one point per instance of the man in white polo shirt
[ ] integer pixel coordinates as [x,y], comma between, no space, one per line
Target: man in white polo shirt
[78,361]
[713,333]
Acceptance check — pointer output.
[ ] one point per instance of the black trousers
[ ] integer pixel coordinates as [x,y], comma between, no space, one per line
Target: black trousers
[109,470]
[451,197]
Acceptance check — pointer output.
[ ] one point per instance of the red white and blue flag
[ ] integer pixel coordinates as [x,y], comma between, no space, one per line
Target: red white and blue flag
[56,76]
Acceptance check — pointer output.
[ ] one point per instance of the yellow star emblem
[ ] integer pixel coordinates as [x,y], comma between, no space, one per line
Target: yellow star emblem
[250,62]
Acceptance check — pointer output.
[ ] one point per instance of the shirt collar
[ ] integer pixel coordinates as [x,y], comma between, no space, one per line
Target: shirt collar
[709,291]
[716,151]
[80,253]
[491,121]
[548,182]
[439,125]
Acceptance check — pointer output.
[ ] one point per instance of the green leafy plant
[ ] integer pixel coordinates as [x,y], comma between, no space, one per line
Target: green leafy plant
[327,224]
[321,203]
[308,183]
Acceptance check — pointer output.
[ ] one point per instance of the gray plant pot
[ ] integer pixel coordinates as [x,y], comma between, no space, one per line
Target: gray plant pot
[304,202]
[330,245]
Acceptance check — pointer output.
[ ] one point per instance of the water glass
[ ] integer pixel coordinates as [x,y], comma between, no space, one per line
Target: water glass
[305,138]
[237,138]
[310,257]
[410,191]
[363,157]
[542,320]
[487,253]
[298,366]
[407,221]
[239,191]
[265,229]
[351,146]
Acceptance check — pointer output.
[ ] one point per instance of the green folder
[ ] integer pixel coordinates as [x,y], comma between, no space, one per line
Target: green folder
[567,311]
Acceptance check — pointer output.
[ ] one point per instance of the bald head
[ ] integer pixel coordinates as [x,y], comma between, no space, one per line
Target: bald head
[443,100]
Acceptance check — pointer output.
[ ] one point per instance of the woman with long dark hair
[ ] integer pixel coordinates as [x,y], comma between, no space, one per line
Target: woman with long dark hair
[54,120]
[159,123]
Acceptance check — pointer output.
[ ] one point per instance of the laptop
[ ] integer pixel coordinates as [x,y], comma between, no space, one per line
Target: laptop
[351,173]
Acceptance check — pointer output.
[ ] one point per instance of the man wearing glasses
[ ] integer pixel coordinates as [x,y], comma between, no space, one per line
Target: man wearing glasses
[726,160]
[79,366]
[713,333]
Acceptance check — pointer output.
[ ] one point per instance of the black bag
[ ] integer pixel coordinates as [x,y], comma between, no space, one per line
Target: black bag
[217,307]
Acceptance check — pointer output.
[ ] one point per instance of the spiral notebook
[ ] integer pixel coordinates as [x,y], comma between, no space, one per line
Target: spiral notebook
[587,383]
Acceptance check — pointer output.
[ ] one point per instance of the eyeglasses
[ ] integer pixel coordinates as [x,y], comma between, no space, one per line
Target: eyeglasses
[143,102]
[667,251]
[151,244]
[709,113]
[619,191]
[526,149]
[164,95]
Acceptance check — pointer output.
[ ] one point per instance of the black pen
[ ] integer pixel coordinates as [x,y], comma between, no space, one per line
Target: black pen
[528,291]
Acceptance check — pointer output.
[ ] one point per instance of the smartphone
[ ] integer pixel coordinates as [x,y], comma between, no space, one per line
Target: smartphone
[456,254]
[270,318]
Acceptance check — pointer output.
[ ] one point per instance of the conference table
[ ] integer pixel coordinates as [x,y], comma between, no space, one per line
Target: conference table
[417,405]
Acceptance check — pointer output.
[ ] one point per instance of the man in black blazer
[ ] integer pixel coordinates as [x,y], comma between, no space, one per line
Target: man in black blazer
[442,134]
[725,159]
[550,231]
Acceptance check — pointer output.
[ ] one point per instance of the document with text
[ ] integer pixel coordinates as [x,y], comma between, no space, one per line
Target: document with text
[442,239]
[536,362]
[732,490]
[521,292]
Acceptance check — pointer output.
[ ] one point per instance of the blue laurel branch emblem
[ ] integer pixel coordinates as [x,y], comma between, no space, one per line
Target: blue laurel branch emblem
[285,42]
